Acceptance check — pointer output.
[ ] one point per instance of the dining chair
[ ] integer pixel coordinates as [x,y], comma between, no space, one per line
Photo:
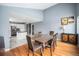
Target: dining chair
[52,43]
[39,34]
[33,46]
[51,33]
[55,39]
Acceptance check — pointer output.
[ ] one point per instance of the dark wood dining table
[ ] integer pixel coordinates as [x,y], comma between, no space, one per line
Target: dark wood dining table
[44,38]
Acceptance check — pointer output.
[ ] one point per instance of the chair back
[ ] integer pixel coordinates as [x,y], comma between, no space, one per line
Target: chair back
[39,34]
[30,45]
[55,37]
[51,32]
[51,40]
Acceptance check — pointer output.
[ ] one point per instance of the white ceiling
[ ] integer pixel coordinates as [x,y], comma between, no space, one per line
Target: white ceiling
[40,6]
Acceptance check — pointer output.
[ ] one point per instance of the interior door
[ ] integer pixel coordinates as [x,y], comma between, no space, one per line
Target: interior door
[30,29]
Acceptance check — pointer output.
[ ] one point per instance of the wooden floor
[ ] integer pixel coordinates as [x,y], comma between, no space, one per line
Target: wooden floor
[62,49]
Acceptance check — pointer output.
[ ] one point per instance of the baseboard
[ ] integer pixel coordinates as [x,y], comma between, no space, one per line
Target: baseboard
[7,50]
[14,47]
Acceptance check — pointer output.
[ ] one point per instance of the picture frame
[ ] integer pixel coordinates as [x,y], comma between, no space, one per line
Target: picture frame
[71,20]
[64,21]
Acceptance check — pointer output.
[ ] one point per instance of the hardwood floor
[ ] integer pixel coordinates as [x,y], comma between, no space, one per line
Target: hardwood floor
[62,49]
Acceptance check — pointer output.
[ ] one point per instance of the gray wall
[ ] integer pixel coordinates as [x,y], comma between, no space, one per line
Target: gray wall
[5,14]
[52,18]
[0,19]
[54,14]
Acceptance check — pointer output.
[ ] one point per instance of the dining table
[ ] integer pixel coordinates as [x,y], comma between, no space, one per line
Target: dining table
[43,39]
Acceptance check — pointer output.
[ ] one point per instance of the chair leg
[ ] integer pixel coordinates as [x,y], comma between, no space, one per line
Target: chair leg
[56,43]
[28,53]
[41,52]
[51,51]
[53,47]
[42,47]
[33,53]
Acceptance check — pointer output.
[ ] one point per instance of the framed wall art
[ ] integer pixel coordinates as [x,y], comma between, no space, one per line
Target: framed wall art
[64,21]
[71,19]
